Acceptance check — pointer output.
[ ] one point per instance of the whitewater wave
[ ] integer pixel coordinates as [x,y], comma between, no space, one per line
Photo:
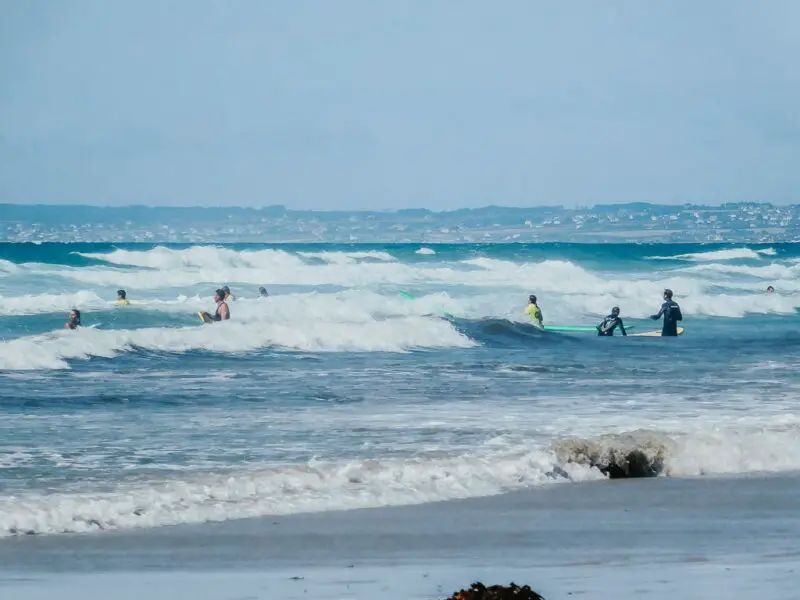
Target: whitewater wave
[198,257]
[212,257]
[348,258]
[7,267]
[773,271]
[637,298]
[50,303]
[732,254]
[54,350]
[328,486]
[709,451]
[312,488]
[89,302]
[478,287]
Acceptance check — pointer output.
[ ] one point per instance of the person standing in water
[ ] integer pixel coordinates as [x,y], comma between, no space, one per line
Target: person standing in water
[122,298]
[671,313]
[263,292]
[534,312]
[610,323]
[222,313]
[74,319]
[228,296]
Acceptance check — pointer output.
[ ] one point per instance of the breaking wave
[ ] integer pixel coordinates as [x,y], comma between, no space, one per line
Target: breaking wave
[53,350]
[326,486]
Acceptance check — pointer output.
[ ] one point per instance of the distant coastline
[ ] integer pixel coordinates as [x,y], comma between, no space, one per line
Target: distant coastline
[616,223]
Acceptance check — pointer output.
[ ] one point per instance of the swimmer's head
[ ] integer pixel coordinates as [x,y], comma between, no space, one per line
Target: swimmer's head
[121,294]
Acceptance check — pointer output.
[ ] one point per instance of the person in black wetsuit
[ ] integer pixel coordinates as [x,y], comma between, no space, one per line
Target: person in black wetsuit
[671,313]
[223,313]
[610,323]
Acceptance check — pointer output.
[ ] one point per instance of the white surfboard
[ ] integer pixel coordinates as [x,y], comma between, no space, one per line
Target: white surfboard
[654,333]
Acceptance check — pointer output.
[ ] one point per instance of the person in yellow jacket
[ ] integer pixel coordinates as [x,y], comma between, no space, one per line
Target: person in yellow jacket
[534,311]
[122,298]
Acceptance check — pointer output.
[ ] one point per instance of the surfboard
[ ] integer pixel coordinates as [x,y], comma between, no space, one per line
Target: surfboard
[654,333]
[204,318]
[577,328]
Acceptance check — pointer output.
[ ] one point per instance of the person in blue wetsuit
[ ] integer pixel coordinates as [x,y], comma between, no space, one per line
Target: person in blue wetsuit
[671,313]
[610,323]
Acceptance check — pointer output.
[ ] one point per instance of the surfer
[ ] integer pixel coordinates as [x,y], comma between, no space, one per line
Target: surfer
[228,295]
[263,292]
[222,313]
[122,298]
[74,319]
[671,313]
[534,311]
[610,323]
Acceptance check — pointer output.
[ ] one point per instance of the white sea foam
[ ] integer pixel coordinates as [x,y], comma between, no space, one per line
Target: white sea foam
[428,251]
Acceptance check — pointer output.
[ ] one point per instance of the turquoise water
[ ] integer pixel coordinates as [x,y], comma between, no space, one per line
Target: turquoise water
[338,391]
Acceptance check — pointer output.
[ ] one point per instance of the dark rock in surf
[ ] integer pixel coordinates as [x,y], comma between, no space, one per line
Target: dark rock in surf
[637,454]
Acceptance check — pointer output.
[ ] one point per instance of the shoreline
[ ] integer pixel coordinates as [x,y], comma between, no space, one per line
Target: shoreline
[611,537]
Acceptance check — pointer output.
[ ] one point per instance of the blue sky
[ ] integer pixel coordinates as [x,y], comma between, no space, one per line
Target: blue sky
[369,104]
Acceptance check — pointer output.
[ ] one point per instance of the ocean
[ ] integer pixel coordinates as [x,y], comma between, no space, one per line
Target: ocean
[403,378]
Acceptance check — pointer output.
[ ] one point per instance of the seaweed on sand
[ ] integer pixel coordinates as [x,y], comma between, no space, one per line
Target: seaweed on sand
[478,591]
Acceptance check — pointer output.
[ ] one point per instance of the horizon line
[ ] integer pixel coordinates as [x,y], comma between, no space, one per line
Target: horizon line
[683,206]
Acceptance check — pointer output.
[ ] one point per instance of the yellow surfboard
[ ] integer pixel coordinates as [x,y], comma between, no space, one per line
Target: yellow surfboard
[204,317]
[654,333]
